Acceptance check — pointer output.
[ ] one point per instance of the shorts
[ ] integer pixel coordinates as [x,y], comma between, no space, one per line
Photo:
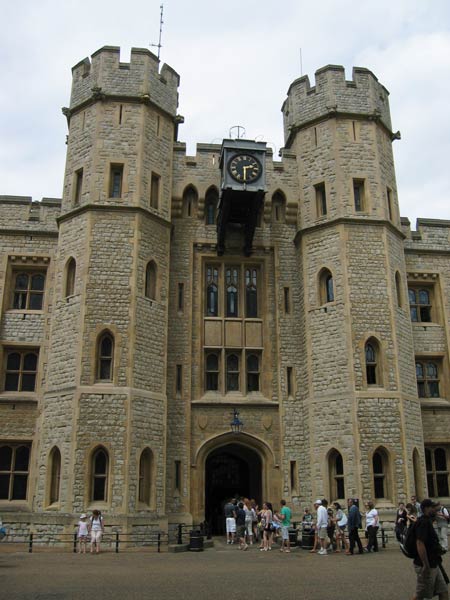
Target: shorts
[231,524]
[249,527]
[96,535]
[82,538]
[323,533]
[241,531]
[284,532]
[430,586]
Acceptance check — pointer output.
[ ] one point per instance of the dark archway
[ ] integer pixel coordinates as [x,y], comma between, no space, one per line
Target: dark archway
[231,470]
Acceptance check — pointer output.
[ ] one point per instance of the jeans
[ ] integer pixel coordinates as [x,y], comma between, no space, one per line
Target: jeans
[353,537]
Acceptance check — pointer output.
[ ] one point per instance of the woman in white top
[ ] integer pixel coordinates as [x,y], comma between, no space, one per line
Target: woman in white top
[371,527]
[97,527]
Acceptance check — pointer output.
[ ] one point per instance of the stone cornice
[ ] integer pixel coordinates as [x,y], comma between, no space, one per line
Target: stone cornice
[349,221]
[416,250]
[112,208]
[39,232]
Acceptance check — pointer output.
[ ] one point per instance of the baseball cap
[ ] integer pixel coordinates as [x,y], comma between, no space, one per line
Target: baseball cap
[318,502]
[428,503]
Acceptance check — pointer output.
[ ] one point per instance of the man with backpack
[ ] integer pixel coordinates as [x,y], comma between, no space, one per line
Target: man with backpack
[427,561]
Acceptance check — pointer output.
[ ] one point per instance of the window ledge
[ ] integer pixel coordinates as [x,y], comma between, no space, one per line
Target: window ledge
[24,311]
[233,398]
[434,403]
[20,397]
[422,324]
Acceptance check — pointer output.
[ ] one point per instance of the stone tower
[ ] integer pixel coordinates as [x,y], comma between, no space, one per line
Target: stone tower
[104,407]
[359,409]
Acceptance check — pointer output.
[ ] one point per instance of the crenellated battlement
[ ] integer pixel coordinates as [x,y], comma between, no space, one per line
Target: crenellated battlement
[104,75]
[333,94]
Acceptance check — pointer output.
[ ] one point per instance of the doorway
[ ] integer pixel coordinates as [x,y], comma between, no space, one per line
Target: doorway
[230,471]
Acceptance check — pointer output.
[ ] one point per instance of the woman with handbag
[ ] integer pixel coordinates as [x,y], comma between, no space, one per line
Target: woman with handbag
[266,525]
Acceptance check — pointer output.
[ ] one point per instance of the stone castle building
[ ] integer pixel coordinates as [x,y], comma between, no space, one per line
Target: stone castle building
[167,296]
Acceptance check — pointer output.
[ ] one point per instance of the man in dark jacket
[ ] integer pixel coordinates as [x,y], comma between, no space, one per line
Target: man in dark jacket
[430,581]
[354,523]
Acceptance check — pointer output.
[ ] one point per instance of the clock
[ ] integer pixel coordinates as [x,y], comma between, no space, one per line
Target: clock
[244,168]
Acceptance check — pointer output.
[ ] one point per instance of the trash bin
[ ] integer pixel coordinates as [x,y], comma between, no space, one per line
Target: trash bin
[195,541]
[308,539]
[293,536]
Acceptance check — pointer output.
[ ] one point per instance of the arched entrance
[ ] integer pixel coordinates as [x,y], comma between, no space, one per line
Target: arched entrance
[230,470]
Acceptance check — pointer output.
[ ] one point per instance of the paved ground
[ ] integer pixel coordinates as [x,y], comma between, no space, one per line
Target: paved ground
[222,573]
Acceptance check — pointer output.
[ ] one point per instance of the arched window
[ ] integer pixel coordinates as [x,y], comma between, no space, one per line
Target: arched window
[99,480]
[336,472]
[232,373]
[105,357]
[419,305]
[232,283]
[398,288]
[190,199]
[253,373]
[55,475]
[372,358]
[326,286]
[437,472]
[380,466]
[71,268]
[278,207]
[251,293]
[150,280]
[212,289]
[145,477]
[212,372]
[211,201]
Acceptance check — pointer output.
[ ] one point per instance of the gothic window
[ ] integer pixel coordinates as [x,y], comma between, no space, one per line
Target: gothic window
[372,359]
[427,375]
[278,207]
[321,200]
[28,290]
[212,291]
[251,293]
[336,471]
[71,268]
[212,372]
[115,181]
[326,287]
[21,370]
[436,460]
[150,280]
[211,201]
[99,480]
[253,373]
[14,471]
[190,198]
[55,475]
[359,195]
[105,357]
[420,305]
[232,373]
[145,477]
[231,283]
[380,467]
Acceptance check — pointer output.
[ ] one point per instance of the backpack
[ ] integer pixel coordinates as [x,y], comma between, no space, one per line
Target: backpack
[408,545]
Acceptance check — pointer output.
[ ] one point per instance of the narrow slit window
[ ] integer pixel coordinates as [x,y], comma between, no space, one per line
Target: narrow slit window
[359,195]
[180,297]
[290,381]
[287,300]
[212,291]
[232,284]
[321,200]
[178,475]
[251,293]
[179,379]
[78,186]
[155,190]
[116,180]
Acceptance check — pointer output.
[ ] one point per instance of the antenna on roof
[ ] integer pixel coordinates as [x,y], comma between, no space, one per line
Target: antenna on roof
[301,63]
[159,45]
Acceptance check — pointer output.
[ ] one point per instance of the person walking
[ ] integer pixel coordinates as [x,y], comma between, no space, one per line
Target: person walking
[427,563]
[341,524]
[354,523]
[400,521]
[442,518]
[82,533]
[230,520]
[285,518]
[372,525]
[267,526]
[322,524]
[97,529]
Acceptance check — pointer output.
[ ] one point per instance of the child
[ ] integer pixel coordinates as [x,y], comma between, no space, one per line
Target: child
[82,534]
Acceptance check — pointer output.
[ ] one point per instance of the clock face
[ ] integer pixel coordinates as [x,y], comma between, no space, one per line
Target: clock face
[244,168]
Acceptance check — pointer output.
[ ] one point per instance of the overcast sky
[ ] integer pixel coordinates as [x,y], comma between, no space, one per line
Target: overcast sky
[236,59]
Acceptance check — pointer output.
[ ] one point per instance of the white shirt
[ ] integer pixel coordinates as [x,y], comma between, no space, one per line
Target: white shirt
[322,517]
[372,518]
[82,528]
